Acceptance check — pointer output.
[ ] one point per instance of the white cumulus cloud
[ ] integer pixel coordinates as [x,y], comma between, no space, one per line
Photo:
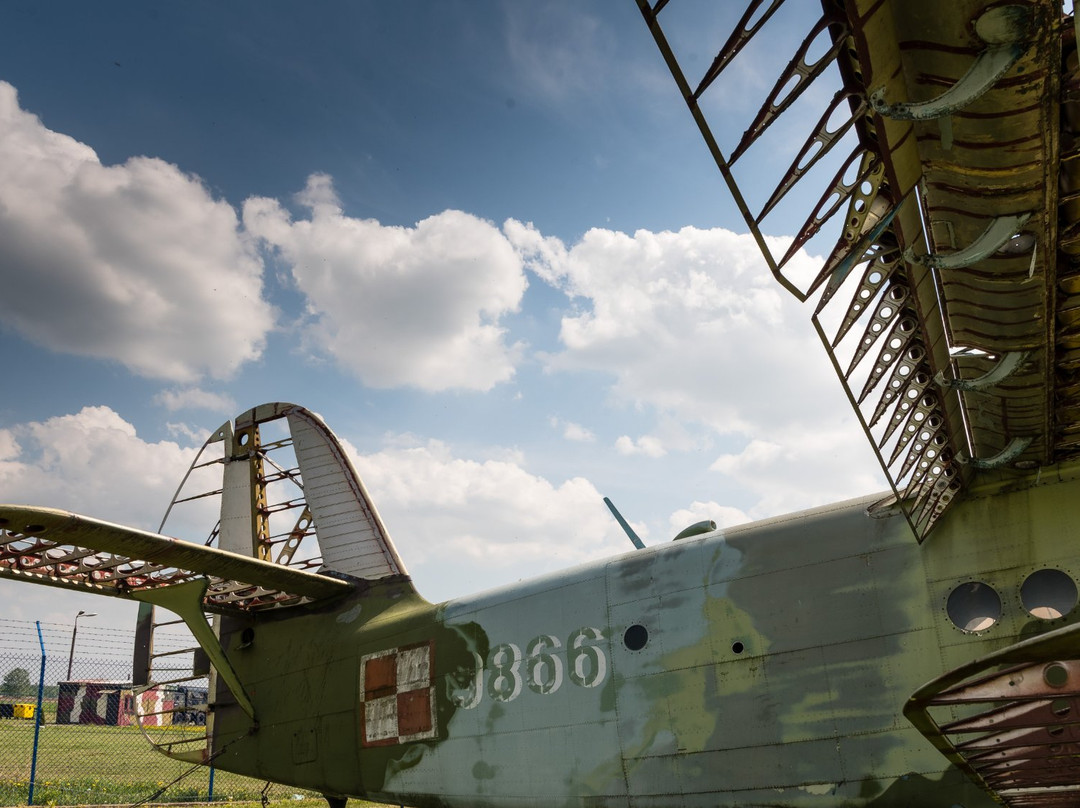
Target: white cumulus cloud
[400,306]
[572,431]
[195,398]
[92,462]
[135,263]
[645,445]
[462,524]
[692,326]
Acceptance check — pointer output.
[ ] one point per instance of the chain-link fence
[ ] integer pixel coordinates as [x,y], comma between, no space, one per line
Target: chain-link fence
[67,729]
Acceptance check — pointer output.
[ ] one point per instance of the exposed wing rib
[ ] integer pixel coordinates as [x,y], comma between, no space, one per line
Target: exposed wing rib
[1009,720]
[951,222]
[59,548]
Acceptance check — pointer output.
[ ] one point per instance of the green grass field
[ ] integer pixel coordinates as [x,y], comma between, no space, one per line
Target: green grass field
[86,764]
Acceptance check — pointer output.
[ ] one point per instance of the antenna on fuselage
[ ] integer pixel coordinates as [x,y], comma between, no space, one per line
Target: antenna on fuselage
[638,543]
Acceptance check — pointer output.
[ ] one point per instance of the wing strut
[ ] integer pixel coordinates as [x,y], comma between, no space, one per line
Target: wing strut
[186,601]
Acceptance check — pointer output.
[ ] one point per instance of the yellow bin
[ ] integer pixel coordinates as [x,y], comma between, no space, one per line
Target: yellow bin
[25,710]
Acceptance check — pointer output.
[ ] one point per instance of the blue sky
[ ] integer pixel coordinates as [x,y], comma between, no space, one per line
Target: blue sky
[483,240]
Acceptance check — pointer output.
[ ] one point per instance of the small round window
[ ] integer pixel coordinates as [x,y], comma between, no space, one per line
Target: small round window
[1048,594]
[636,637]
[974,606]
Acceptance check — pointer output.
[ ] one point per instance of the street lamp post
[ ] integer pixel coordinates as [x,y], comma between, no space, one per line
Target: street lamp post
[74,630]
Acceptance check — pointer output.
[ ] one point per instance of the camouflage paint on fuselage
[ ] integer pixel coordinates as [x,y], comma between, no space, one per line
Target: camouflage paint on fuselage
[776,662]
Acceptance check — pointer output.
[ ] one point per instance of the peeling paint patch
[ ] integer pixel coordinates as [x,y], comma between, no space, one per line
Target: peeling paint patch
[482,771]
[351,615]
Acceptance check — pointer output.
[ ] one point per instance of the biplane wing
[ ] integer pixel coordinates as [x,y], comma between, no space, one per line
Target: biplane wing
[939,190]
[58,548]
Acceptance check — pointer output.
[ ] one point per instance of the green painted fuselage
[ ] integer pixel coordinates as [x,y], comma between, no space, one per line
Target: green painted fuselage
[766,664]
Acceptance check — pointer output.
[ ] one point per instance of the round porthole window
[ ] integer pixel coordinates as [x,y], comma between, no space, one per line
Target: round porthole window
[974,606]
[636,637]
[1048,594]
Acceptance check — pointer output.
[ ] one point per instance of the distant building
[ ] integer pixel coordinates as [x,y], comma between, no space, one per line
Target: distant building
[92,701]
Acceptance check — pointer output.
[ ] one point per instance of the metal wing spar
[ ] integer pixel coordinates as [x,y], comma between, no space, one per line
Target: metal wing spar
[53,547]
[944,172]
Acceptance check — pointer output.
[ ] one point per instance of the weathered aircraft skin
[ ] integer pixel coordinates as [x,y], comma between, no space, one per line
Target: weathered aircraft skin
[910,649]
[777,659]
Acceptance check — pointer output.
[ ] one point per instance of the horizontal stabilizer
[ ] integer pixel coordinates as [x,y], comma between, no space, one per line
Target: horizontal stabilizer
[59,548]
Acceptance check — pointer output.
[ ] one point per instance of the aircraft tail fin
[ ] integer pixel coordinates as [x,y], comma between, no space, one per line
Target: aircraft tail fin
[293,526]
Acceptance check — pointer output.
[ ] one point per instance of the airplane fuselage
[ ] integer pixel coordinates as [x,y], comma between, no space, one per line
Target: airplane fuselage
[766,664]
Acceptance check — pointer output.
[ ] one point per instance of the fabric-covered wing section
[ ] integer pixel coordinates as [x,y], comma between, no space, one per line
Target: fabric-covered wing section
[58,548]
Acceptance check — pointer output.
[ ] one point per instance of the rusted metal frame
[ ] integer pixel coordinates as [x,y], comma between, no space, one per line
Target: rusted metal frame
[1049,765]
[194,497]
[280,538]
[804,74]
[860,238]
[993,238]
[11,537]
[714,149]
[925,450]
[81,585]
[1053,202]
[211,540]
[215,437]
[823,211]
[889,309]
[112,573]
[304,527]
[945,490]
[967,432]
[27,557]
[919,414]
[75,554]
[260,523]
[884,268]
[904,329]
[172,653]
[1024,737]
[738,39]
[862,422]
[906,401]
[820,137]
[284,505]
[989,66]
[283,473]
[956,686]
[906,376]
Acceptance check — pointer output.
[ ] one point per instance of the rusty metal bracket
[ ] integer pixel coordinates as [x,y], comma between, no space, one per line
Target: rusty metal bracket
[797,70]
[1008,365]
[1006,31]
[992,239]
[1023,702]
[1015,448]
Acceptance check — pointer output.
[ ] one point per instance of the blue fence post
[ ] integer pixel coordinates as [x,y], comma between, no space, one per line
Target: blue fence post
[210,790]
[38,717]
